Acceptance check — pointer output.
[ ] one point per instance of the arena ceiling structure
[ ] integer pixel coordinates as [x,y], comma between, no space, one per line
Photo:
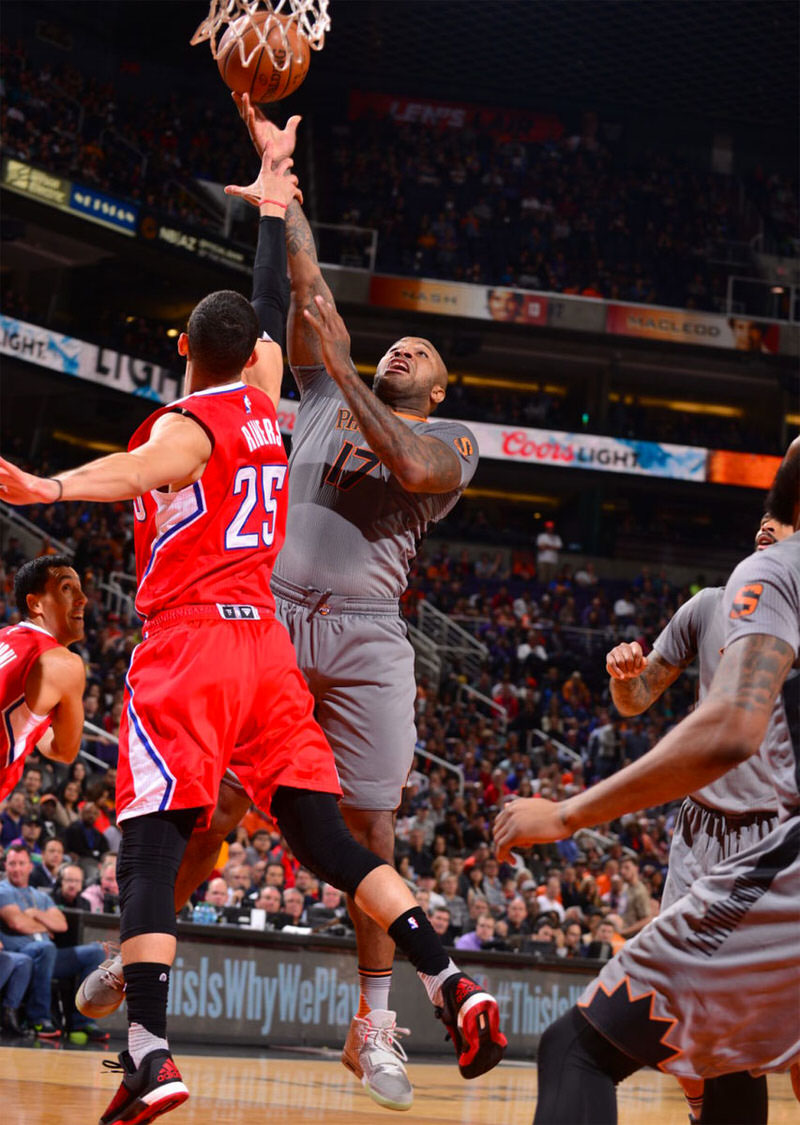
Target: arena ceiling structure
[734,61]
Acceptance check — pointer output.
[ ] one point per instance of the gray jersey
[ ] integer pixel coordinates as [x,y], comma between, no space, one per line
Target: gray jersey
[763,596]
[712,985]
[698,629]
[351,527]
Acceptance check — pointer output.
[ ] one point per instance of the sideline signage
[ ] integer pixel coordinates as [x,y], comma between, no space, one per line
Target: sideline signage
[549,448]
[231,985]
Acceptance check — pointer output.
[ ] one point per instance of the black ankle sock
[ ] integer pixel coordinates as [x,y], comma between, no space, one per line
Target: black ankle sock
[146,991]
[413,934]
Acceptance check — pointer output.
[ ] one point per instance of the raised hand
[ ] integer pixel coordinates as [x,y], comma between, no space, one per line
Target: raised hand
[274,182]
[626,661]
[18,487]
[262,130]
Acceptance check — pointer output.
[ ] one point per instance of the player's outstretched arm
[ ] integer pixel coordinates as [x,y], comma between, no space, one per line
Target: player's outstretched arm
[305,275]
[175,454]
[420,463]
[635,680]
[726,728]
[272,191]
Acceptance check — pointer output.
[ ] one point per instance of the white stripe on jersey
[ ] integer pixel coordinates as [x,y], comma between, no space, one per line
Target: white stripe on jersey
[153,781]
[19,722]
[176,510]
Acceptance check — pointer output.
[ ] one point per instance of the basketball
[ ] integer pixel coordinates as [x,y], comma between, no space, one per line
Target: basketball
[261,78]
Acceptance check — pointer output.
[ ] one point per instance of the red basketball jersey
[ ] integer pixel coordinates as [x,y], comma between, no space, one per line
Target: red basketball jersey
[215,542]
[20,647]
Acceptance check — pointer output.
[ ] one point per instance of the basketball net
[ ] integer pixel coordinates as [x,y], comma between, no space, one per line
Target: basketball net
[309,16]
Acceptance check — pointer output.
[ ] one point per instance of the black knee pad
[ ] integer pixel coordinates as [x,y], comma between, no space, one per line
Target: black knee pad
[573,1034]
[149,857]
[317,834]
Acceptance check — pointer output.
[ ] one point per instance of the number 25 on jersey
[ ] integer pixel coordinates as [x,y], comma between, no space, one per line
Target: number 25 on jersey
[253,486]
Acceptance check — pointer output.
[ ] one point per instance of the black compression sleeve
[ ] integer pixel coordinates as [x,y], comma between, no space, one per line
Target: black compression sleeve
[270,281]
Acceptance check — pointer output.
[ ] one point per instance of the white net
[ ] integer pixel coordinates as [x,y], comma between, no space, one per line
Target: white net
[309,17]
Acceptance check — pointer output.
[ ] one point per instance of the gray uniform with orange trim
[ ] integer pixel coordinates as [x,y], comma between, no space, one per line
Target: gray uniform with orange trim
[712,985]
[351,535]
[738,809]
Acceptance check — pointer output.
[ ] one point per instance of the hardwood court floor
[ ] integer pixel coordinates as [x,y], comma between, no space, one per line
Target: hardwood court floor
[62,1087]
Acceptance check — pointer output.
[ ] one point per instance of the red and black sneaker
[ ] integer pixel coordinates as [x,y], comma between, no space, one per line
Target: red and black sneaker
[472,1019]
[147,1091]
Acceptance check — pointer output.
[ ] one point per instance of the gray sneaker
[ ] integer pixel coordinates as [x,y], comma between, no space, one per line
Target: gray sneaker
[375,1055]
[103,990]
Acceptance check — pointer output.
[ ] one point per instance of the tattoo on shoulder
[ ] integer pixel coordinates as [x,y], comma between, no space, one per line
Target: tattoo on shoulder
[752,671]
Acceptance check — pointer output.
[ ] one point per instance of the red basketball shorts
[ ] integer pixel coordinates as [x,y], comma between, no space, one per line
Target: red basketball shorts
[202,695]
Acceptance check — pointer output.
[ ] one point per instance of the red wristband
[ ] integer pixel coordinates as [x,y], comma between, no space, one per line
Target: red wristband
[275,202]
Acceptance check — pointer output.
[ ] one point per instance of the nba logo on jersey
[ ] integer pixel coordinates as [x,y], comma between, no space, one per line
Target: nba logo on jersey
[413,924]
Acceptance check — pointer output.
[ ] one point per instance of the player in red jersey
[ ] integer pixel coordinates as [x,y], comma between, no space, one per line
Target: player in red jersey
[215,681]
[41,681]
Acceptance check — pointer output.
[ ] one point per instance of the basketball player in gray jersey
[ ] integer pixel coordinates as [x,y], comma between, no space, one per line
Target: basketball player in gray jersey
[369,473]
[739,808]
[712,985]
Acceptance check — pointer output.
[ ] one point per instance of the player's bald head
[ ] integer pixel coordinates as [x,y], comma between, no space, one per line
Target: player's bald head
[783,499]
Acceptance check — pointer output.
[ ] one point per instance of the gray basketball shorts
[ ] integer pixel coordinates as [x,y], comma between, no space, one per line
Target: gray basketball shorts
[712,985]
[359,665]
[703,837]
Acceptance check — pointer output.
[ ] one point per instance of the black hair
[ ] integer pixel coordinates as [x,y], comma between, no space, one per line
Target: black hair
[785,491]
[223,330]
[31,578]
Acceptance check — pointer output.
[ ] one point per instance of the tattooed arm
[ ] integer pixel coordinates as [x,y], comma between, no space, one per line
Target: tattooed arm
[303,344]
[419,462]
[637,681]
[727,727]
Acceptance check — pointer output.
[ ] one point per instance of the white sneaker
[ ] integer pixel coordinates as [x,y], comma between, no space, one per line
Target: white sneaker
[375,1055]
[103,990]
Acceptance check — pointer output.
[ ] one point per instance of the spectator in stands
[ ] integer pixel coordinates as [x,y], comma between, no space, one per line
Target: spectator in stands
[103,895]
[573,940]
[67,811]
[217,893]
[607,934]
[16,971]
[11,819]
[440,920]
[455,904]
[275,875]
[482,934]
[550,895]
[515,922]
[333,899]
[32,786]
[30,921]
[45,874]
[548,545]
[30,834]
[294,906]
[85,843]
[637,911]
[419,857]
[68,891]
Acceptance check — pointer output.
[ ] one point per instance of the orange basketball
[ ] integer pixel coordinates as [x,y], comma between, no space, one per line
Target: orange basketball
[261,79]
